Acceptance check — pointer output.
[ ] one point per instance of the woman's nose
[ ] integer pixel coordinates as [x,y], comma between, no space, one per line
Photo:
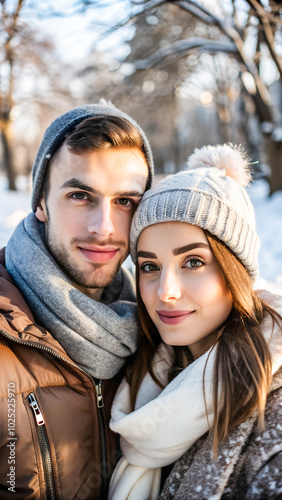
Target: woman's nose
[169,288]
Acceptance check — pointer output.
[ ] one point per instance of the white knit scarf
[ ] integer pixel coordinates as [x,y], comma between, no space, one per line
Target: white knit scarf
[162,427]
[166,423]
[97,336]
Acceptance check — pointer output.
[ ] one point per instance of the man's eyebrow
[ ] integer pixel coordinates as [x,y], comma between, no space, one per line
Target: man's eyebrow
[76,183]
[191,246]
[139,194]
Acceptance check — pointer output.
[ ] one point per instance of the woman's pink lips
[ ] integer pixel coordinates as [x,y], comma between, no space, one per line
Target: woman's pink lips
[98,255]
[173,317]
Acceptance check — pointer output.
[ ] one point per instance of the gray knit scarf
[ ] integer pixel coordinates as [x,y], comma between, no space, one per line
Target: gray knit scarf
[98,336]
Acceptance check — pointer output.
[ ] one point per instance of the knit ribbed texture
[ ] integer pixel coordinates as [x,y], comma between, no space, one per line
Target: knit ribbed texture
[59,130]
[208,198]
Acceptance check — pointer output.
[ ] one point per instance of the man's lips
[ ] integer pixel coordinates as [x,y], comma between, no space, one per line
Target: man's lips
[173,317]
[99,254]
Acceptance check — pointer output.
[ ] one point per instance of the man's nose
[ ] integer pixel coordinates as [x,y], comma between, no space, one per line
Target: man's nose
[101,219]
[169,287]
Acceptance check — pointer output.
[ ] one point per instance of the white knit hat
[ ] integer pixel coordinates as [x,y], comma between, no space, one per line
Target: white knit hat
[210,194]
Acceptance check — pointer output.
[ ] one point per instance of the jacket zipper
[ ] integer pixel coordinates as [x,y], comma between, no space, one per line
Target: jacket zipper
[44,447]
[104,466]
[99,400]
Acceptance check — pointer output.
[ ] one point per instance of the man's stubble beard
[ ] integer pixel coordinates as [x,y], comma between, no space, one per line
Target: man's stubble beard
[101,279]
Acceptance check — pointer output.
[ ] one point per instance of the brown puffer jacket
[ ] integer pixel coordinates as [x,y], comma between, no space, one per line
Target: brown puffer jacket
[54,437]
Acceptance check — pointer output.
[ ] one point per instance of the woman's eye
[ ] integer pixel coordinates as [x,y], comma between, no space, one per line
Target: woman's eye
[194,263]
[149,267]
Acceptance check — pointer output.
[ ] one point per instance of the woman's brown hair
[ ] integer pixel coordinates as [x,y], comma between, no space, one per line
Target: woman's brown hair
[242,372]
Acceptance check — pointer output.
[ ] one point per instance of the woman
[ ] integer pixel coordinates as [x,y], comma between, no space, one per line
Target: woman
[206,383]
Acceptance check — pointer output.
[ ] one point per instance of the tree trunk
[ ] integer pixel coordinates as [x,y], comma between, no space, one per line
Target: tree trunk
[273,150]
[7,155]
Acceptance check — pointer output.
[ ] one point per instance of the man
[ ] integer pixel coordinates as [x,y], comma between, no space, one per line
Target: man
[67,321]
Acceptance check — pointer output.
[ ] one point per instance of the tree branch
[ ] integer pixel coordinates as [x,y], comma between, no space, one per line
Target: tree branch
[150,4]
[184,46]
[262,97]
[267,31]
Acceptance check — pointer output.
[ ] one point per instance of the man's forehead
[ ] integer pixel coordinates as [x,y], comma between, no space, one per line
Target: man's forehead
[78,183]
[113,172]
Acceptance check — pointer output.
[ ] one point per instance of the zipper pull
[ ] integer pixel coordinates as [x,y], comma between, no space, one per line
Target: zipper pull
[36,410]
[100,402]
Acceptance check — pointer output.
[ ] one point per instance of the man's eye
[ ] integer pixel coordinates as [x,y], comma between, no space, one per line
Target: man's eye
[125,202]
[79,196]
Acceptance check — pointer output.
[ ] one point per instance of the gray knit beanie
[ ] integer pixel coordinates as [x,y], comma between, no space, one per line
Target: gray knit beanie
[59,129]
[210,194]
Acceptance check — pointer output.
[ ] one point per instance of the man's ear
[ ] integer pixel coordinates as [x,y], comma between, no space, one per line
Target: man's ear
[41,212]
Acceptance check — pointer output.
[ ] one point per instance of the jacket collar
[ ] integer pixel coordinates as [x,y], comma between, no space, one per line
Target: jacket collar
[16,319]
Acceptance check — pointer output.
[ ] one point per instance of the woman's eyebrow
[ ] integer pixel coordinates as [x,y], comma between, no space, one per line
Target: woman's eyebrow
[150,255]
[176,251]
[191,246]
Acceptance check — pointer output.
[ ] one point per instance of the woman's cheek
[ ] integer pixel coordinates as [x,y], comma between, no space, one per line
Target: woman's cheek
[147,291]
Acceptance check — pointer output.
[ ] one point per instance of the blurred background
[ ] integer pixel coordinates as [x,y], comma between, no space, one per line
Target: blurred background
[190,72]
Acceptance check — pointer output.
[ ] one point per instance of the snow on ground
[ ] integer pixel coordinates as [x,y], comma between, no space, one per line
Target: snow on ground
[268,211]
[16,205]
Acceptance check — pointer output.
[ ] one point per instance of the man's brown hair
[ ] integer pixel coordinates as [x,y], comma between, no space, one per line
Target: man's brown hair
[102,132]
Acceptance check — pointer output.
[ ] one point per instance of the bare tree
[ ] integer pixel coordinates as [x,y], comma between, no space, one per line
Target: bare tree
[9,24]
[264,22]
[26,55]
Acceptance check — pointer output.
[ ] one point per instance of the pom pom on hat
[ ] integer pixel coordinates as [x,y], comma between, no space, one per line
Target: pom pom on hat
[228,157]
